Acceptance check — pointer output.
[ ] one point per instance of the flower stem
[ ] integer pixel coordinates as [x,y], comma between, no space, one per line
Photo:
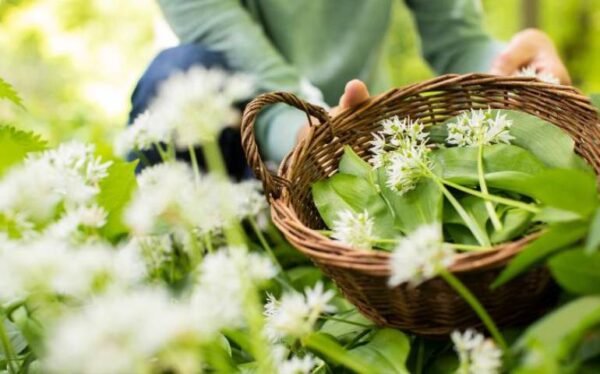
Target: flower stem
[494,198]
[267,247]
[194,160]
[208,243]
[477,231]
[7,347]
[483,186]
[464,292]
[214,158]
[468,247]
[260,346]
[162,153]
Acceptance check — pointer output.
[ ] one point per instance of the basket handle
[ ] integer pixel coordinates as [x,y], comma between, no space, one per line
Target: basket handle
[272,183]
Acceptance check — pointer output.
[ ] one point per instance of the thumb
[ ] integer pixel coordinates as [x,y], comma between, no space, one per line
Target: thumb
[517,54]
[355,93]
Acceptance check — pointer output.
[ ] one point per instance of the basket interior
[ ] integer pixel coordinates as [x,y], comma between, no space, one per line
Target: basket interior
[432,106]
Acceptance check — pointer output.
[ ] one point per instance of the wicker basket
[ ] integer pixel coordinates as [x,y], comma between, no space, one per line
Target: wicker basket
[432,308]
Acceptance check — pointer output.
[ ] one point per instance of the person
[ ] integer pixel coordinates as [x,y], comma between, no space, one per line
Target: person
[323,49]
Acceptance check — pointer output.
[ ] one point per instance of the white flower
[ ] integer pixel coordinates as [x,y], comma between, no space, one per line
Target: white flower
[250,200]
[295,314]
[119,333]
[477,355]
[48,266]
[353,229]
[198,103]
[479,127]
[68,225]
[146,130]
[419,255]
[530,71]
[297,365]
[224,278]
[406,166]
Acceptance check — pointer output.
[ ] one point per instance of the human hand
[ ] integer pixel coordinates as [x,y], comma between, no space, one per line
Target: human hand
[355,93]
[531,48]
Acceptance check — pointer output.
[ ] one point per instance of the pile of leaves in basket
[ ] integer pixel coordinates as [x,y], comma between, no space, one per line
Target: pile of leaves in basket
[174,270]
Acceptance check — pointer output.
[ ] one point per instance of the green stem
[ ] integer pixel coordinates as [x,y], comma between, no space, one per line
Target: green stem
[163,154]
[7,347]
[194,160]
[260,346]
[464,292]
[208,243]
[494,198]
[468,247]
[480,236]
[345,321]
[214,158]
[483,186]
[267,247]
[420,356]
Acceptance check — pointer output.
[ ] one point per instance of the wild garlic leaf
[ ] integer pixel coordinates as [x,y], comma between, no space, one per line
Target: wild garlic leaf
[514,222]
[351,163]
[455,225]
[414,208]
[459,164]
[348,192]
[593,240]
[15,145]
[387,352]
[555,336]
[346,331]
[552,240]
[576,271]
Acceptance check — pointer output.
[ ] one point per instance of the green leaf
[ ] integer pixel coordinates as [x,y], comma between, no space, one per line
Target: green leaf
[514,222]
[344,331]
[548,142]
[386,352]
[15,145]
[457,228]
[115,192]
[595,99]
[352,164]
[304,276]
[555,238]
[348,192]
[563,189]
[558,333]
[500,161]
[593,240]
[576,271]
[414,208]
[17,340]
[328,347]
[7,92]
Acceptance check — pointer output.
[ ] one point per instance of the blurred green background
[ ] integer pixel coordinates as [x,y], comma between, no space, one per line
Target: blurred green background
[75,62]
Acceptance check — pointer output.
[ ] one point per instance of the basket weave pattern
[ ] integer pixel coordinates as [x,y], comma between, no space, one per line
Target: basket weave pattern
[432,308]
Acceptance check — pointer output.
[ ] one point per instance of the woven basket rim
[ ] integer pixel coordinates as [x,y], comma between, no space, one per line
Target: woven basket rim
[375,261]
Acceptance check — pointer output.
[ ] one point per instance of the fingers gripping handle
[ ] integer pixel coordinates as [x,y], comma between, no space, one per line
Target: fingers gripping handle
[272,183]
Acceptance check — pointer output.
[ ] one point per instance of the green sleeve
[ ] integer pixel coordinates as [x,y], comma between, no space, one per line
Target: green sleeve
[452,36]
[227,27]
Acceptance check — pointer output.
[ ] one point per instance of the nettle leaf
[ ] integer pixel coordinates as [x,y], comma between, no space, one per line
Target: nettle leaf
[115,192]
[7,92]
[414,208]
[501,162]
[558,334]
[15,145]
[555,238]
[385,353]
[349,192]
[576,271]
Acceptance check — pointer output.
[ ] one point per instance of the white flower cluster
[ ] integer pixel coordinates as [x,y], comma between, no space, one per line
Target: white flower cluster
[401,148]
[69,176]
[295,314]
[419,256]
[353,229]
[171,199]
[530,71]
[191,108]
[47,266]
[218,298]
[294,364]
[479,127]
[477,354]
[121,333]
